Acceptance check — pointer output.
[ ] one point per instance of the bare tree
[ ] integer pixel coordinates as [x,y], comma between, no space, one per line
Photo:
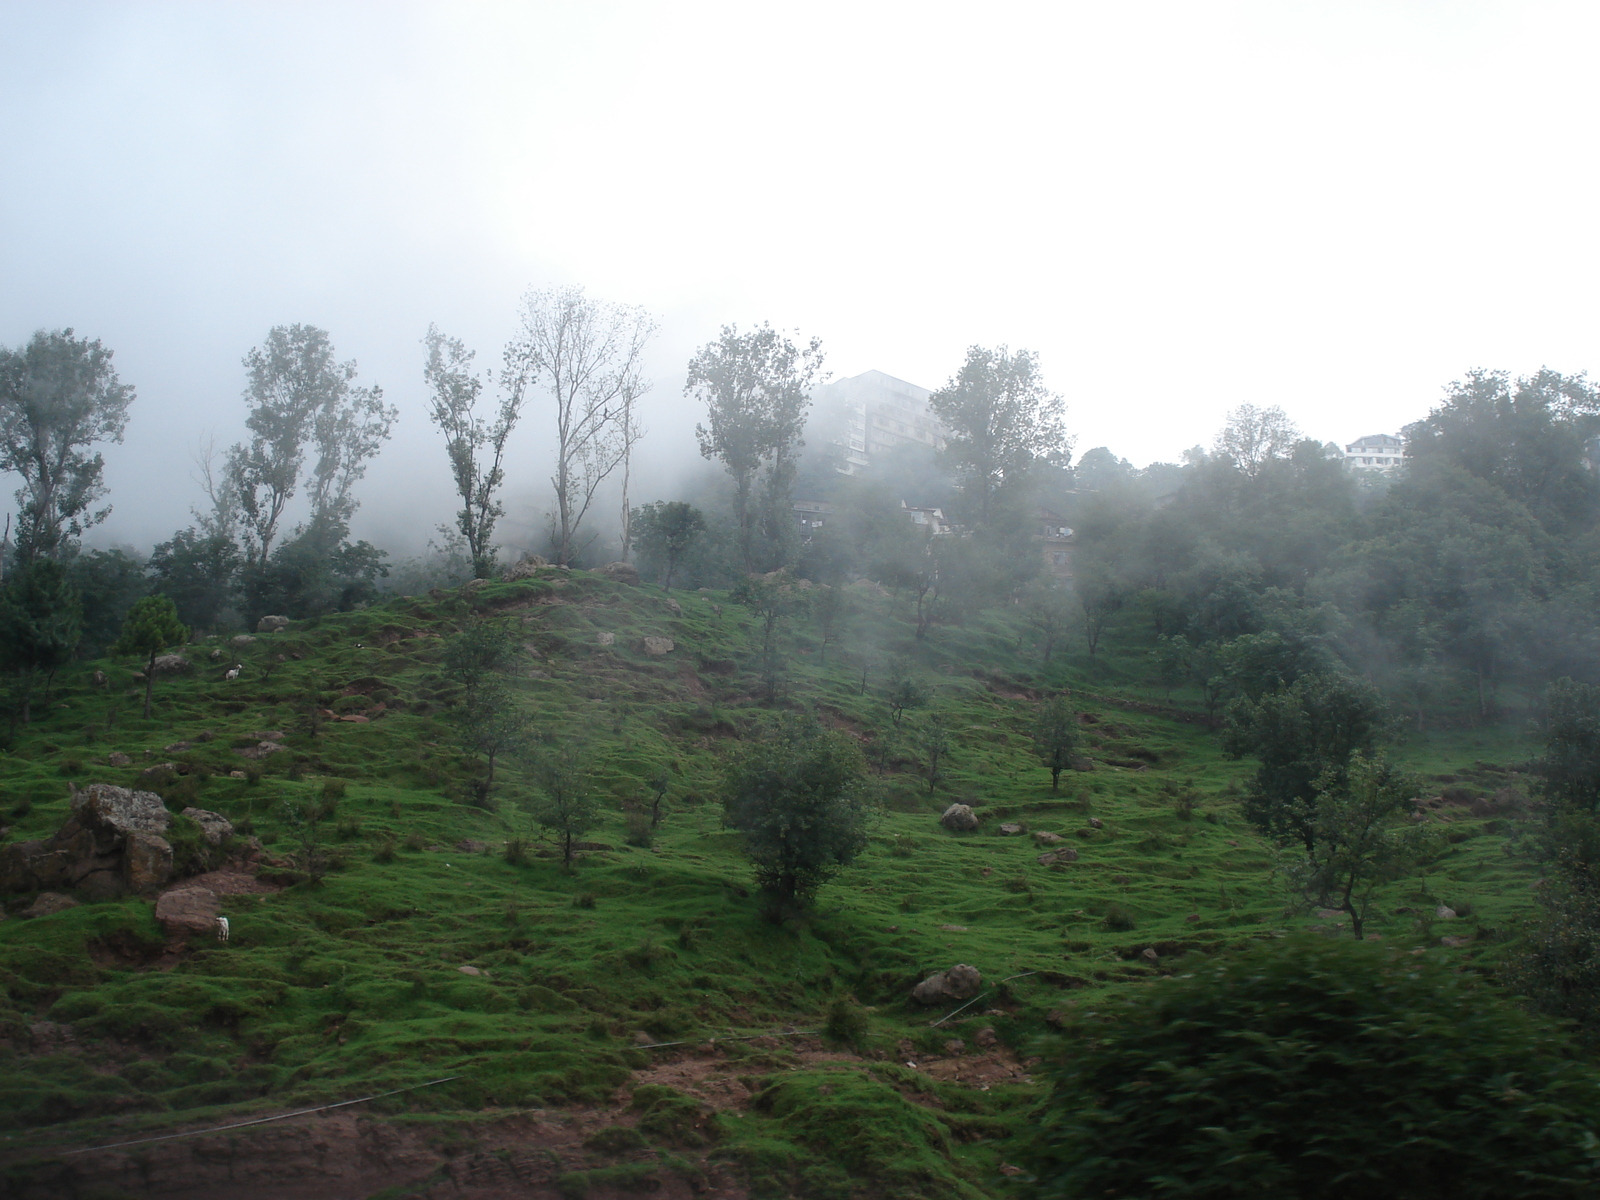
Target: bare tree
[632,434]
[1254,435]
[476,447]
[586,354]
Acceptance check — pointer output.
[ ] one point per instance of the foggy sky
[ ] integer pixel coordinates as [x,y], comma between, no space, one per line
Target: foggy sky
[1183,206]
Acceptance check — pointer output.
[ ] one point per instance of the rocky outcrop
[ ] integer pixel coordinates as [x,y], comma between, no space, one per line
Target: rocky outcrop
[525,568]
[605,639]
[959,818]
[49,904]
[214,827]
[657,646]
[272,624]
[960,982]
[113,842]
[620,572]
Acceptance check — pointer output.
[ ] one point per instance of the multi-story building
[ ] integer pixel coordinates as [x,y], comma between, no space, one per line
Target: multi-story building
[871,414]
[1376,452]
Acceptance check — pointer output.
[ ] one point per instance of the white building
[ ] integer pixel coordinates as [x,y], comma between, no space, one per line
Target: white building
[870,414]
[1376,452]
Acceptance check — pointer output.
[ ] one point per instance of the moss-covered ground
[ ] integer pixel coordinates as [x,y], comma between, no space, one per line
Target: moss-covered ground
[352,985]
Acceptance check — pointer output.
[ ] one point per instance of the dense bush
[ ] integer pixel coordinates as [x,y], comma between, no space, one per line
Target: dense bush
[1314,1069]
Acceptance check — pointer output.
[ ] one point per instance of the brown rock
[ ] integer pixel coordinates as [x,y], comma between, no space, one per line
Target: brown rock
[1051,858]
[146,862]
[118,759]
[954,1047]
[959,818]
[188,910]
[1149,957]
[158,771]
[524,568]
[986,1037]
[1045,838]
[472,846]
[176,747]
[1096,823]
[101,885]
[48,904]
[960,982]
[1012,829]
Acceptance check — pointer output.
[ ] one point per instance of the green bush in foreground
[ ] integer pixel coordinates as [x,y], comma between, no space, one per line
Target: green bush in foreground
[1311,1068]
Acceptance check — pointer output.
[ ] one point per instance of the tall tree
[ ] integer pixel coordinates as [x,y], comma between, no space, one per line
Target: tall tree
[588,355]
[1255,436]
[198,571]
[476,446]
[1056,737]
[58,397]
[300,397]
[756,388]
[1002,421]
[151,627]
[41,620]
[666,531]
[568,805]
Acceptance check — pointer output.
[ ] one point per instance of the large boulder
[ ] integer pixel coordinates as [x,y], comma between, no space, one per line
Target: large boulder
[171,664]
[959,818]
[120,810]
[604,638]
[146,862]
[188,910]
[272,624]
[48,904]
[214,827]
[657,646]
[526,567]
[242,640]
[960,982]
[620,572]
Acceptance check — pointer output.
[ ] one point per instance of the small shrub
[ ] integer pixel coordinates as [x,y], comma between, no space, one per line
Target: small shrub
[1117,920]
[518,850]
[640,832]
[384,851]
[415,841]
[901,847]
[1185,805]
[583,900]
[847,1021]
[333,791]
[349,829]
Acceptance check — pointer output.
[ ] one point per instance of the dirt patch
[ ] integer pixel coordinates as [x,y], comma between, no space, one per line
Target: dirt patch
[231,883]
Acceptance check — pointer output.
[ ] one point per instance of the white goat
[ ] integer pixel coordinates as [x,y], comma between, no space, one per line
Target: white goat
[222,929]
[233,673]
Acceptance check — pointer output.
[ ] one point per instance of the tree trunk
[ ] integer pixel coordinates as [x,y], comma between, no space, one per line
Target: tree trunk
[1055,779]
[149,684]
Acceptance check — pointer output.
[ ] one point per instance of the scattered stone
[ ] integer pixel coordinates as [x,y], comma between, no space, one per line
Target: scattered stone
[272,624]
[1012,829]
[469,970]
[954,1047]
[472,846]
[672,606]
[356,719]
[176,747]
[99,678]
[214,827]
[1191,918]
[1096,823]
[205,735]
[960,982]
[215,655]
[473,585]
[954,928]
[1149,956]
[1045,838]
[171,664]
[657,646]
[1051,858]
[1233,843]
[1082,764]
[242,640]
[959,818]
[268,735]
[1455,943]
[620,572]
[986,1037]
[48,904]
[186,910]
[643,1039]
[118,759]
[237,775]
[605,639]
[1444,913]
[158,770]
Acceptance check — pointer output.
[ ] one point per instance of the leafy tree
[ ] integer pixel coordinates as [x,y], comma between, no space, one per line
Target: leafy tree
[301,398]
[151,627]
[475,657]
[199,571]
[41,621]
[1056,737]
[1046,607]
[1002,422]
[567,805]
[1569,770]
[476,447]
[108,582]
[1253,437]
[1362,838]
[587,355]
[1304,737]
[313,573]
[773,599]
[797,793]
[1316,1069]
[832,610]
[488,719]
[665,532]
[755,387]
[58,397]
[904,691]
[934,740]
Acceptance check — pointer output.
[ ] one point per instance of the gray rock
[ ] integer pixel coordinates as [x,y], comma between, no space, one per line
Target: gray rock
[1444,913]
[959,818]
[214,827]
[120,810]
[471,846]
[241,641]
[527,566]
[1149,957]
[605,639]
[672,606]
[620,572]
[118,759]
[48,904]
[172,664]
[1045,838]
[188,910]
[1013,828]
[657,646]
[272,624]
[1097,823]
[960,982]
[1050,858]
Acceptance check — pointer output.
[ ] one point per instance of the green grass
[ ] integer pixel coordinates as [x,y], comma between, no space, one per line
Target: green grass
[353,986]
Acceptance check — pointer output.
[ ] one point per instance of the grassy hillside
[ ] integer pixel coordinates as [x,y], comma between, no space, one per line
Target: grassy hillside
[354,985]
